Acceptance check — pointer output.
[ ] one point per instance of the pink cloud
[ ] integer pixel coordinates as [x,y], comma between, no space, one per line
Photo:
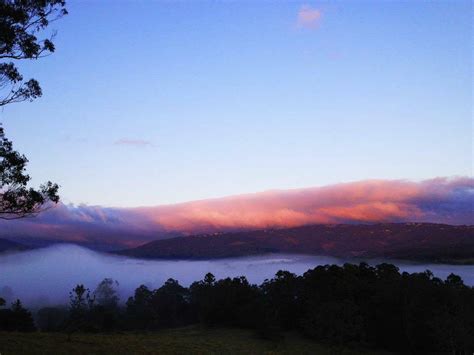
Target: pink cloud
[365,201]
[439,200]
[308,17]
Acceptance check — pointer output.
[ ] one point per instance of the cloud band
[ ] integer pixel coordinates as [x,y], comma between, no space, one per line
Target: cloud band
[439,200]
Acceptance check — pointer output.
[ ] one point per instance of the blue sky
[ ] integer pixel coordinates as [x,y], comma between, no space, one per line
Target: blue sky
[148,103]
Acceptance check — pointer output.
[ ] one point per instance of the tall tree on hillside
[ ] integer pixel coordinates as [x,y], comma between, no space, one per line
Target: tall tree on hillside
[106,293]
[20,23]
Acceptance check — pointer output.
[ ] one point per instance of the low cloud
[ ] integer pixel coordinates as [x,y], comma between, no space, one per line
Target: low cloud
[440,200]
[133,142]
[308,17]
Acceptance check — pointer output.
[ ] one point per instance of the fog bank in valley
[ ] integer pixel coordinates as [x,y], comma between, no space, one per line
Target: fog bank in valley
[45,276]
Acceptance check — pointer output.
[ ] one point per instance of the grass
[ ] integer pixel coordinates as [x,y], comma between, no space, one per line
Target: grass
[190,340]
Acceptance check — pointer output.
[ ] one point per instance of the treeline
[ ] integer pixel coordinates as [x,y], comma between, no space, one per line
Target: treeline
[354,304]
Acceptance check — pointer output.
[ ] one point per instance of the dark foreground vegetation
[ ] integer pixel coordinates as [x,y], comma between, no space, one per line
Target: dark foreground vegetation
[354,305]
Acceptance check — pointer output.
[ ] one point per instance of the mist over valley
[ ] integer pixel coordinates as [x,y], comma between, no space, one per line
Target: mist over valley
[44,277]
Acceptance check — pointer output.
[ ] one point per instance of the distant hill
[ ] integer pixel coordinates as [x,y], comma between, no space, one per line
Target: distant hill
[7,245]
[415,241]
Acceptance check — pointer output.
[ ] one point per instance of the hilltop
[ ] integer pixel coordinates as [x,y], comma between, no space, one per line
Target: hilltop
[413,241]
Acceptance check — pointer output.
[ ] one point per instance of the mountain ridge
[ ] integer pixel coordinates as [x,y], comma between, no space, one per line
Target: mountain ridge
[7,245]
[411,241]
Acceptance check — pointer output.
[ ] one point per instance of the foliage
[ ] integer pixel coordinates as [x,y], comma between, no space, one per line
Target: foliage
[20,23]
[230,302]
[17,318]
[106,294]
[357,305]
[17,200]
[51,319]
[137,311]
[80,305]
[167,306]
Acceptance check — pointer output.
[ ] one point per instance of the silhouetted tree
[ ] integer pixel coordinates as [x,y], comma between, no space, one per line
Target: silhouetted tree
[80,299]
[329,309]
[104,314]
[23,321]
[20,23]
[106,294]
[80,305]
[17,318]
[6,293]
[231,302]
[281,297]
[169,304]
[52,319]
[202,298]
[17,200]
[138,309]
[371,306]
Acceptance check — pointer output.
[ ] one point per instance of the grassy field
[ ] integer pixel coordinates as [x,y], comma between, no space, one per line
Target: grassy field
[191,340]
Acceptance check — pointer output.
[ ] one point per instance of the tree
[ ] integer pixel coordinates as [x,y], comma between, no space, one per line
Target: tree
[17,318]
[104,314]
[52,319]
[80,303]
[80,300]
[23,321]
[20,23]
[80,306]
[17,200]
[106,293]
[281,299]
[230,302]
[170,304]
[139,313]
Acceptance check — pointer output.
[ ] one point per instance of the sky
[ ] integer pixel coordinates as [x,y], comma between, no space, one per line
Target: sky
[152,103]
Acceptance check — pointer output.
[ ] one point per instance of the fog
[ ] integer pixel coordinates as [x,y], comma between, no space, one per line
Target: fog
[44,277]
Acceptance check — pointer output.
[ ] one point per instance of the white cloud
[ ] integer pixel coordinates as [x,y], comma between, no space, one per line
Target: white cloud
[133,142]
